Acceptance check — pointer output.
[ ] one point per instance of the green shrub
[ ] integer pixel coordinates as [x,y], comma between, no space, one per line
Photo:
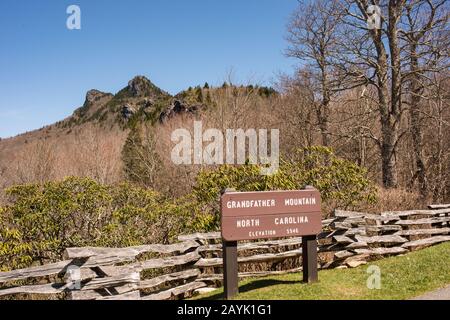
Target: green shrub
[342,183]
[41,221]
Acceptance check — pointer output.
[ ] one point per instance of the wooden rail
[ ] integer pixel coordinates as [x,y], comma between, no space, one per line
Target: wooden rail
[161,272]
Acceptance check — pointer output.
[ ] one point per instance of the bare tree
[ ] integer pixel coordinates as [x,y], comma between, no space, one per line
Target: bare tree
[312,37]
[298,119]
[347,51]
[425,46]
[372,55]
[36,163]
[439,148]
[95,155]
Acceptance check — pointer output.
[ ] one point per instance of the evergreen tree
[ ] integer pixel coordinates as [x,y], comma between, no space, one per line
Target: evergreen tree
[141,160]
[208,98]
[131,151]
[199,94]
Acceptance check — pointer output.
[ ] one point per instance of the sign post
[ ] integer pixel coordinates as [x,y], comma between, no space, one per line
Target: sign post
[309,259]
[230,269]
[267,215]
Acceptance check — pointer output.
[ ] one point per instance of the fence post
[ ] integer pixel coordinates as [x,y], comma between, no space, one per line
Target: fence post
[230,269]
[309,257]
[230,264]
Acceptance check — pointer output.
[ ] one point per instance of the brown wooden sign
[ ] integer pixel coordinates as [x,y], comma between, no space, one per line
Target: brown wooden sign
[260,215]
[277,214]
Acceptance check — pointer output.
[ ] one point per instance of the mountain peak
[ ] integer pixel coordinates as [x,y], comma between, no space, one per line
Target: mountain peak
[141,86]
[94,95]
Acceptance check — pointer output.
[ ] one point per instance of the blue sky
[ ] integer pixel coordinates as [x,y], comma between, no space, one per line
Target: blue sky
[46,69]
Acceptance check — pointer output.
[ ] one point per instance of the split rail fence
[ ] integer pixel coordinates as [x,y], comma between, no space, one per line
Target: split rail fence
[176,271]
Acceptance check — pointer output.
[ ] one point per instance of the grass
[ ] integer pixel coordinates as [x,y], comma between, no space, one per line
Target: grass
[402,277]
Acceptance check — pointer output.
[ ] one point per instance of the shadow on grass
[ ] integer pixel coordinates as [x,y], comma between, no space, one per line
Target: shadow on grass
[254,285]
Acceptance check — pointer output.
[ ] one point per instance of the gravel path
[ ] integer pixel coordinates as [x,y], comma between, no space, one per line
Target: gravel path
[441,294]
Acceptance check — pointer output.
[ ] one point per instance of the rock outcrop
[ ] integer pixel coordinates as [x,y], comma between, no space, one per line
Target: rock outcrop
[128,111]
[92,99]
[94,95]
[178,107]
[148,106]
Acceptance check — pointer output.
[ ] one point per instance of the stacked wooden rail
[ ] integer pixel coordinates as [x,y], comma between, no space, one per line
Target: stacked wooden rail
[161,272]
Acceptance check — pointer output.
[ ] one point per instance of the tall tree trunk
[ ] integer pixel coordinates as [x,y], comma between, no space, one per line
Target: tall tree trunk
[390,112]
[323,117]
[388,115]
[416,122]
[388,151]
[389,133]
[323,112]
